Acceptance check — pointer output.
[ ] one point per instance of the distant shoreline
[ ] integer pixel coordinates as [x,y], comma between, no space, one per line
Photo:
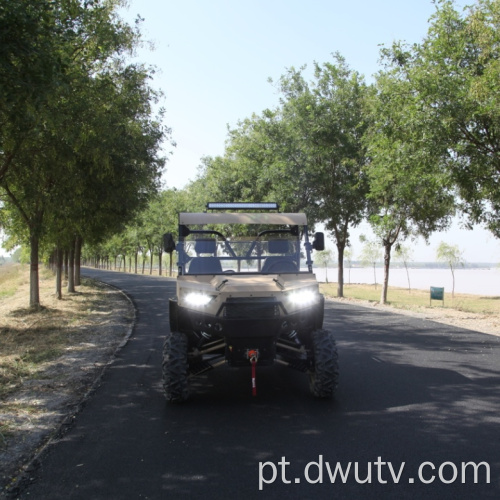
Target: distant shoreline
[422,265]
[474,280]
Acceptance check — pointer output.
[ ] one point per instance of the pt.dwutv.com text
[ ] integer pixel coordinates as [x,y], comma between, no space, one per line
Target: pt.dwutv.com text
[382,472]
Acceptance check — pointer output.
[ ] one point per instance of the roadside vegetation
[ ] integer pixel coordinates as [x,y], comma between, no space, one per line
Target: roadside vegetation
[418,300]
[30,340]
[49,358]
[81,130]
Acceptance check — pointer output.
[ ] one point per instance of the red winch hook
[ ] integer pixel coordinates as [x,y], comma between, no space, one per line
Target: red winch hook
[253,356]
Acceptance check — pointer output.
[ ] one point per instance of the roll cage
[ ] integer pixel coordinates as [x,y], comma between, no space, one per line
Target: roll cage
[244,243]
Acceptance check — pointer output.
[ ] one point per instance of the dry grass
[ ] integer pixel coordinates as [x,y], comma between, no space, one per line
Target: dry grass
[29,339]
[9,277]
[33,342]
[50,358]
[417,299]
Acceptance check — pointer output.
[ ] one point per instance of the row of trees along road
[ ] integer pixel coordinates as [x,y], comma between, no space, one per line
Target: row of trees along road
[143,236]
[79,145]
[406,152]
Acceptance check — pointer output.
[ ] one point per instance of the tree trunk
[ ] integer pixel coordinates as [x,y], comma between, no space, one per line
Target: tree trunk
[340,271]
[34,284]
[78,256]
[53,261]
[160,263]
[341,236]
[59,270]
[136,258]
[387,264]
[407,276]
[66,270]
[170,264]
[71,269]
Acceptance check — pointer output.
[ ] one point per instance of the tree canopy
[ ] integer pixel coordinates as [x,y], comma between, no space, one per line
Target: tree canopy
[454,74]
[89,159]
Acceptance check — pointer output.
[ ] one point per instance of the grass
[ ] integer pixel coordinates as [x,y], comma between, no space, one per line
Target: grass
[9,278]
[49,354]
[29,339]
[417,299]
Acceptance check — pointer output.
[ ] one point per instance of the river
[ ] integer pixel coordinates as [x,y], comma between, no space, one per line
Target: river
[474,281]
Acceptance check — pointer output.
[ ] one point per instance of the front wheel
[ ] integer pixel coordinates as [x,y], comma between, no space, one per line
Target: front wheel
[325,374]
[175,367]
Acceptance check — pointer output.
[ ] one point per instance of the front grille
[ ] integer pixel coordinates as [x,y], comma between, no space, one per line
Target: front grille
[251,308]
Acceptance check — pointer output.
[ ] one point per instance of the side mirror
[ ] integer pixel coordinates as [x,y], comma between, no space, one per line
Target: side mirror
[168,243]
[319,242]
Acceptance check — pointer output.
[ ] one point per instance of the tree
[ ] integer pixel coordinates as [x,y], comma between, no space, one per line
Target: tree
[145,233]
[404,254]
[410,190]
[452,255]
[323,259]
[30,69]
[248,169]
[307,154]
[110,174]
[348,254]
[329,119]
[454,75]
[370,255]
[94,161]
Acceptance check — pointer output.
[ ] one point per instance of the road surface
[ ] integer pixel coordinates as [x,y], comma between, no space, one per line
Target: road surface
[417,414]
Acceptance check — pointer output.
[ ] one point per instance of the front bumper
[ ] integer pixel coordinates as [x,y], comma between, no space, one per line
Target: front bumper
[249,317]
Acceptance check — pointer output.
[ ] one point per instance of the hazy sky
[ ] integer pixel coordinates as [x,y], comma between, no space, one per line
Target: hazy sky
[214,59]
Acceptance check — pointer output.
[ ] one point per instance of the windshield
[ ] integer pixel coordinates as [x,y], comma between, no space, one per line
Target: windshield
[266,251]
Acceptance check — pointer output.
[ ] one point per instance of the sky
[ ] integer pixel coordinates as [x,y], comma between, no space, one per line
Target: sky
[213,60]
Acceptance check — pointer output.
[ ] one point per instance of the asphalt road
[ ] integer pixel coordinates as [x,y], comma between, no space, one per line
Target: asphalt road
[415,396]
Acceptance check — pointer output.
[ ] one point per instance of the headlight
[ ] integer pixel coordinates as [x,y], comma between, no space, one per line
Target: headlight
[303,297]
[198,299]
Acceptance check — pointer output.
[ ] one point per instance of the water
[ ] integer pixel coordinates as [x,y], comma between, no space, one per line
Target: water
[473,281]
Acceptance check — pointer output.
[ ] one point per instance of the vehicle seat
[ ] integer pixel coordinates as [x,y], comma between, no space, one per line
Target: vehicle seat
[205,265]
[279,263]
[209,264]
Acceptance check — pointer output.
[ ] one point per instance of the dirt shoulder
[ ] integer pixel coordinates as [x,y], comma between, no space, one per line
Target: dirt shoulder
[94,324]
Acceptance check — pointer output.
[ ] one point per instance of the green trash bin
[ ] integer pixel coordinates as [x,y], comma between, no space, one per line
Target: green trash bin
[437,293]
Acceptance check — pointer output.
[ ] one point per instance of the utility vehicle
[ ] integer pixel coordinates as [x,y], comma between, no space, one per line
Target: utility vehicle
[246,297]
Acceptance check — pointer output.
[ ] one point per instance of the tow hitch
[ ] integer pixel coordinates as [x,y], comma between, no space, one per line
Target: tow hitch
[253,356]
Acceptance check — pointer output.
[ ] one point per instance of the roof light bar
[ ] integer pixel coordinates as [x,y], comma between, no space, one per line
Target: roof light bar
[242,206]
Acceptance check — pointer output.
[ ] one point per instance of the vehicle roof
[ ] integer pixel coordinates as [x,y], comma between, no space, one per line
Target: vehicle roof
[242,218]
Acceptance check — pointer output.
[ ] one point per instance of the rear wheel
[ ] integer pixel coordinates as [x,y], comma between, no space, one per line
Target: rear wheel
[175,367]
[325,374]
